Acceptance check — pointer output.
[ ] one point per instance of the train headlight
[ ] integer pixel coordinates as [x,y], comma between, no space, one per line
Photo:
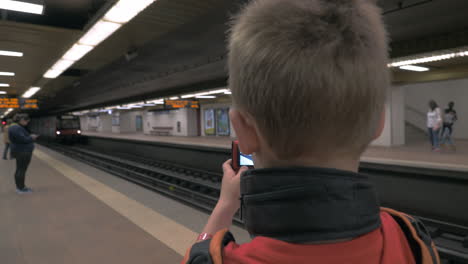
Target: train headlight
[79,131]
[58,133]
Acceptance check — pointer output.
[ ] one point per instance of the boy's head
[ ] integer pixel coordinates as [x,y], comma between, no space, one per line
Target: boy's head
[308,77]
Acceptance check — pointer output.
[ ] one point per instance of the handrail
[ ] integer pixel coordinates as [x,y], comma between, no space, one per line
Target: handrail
[412,109]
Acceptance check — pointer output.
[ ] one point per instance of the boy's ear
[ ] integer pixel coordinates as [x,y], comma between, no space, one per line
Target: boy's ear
[246,131]
[381,126]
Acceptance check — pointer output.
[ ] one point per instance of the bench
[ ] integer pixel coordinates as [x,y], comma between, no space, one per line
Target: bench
[161,131]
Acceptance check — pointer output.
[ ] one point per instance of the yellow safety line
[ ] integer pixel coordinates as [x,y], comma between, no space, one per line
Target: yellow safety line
[174,235]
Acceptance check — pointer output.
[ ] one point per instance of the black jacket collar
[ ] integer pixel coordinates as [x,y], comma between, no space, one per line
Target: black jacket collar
[302,205]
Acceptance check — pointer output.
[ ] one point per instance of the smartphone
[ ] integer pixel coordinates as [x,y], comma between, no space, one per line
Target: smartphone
[240,159]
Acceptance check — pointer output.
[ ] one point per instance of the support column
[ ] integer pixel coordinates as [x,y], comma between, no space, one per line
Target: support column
[394,130]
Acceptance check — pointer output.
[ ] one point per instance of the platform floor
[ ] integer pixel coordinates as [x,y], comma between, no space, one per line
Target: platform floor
[78,214]
[417,153]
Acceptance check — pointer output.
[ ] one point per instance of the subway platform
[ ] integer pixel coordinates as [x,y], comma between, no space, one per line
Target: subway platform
[79,214]
[417,153]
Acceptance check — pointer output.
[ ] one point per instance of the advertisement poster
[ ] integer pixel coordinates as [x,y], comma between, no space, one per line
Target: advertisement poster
[115,120]
[222,121]
[209,122]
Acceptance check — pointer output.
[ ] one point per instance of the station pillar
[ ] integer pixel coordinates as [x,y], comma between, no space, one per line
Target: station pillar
[394,130]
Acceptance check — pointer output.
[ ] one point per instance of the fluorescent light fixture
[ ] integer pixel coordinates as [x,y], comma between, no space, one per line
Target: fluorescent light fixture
[3,92]
[52,74]
[125,10]
[32,91]
[202,94]
[77,52]
[174,98]
[4,85]
[7,74]
[62,65]
[99,32]
[205,97]
[218,91]
[149,104]
[22,6]
[188,96]
[414,68]
[430,57]
[158,102]
[11,53]
[228,92]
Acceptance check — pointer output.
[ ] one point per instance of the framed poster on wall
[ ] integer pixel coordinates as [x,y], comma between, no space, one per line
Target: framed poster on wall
[222,122]
[209,122]
[115,120]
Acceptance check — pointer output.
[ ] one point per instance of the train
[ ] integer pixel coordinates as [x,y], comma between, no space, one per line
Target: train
[61,128]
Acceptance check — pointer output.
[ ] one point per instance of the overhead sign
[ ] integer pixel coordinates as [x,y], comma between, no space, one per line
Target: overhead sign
[21,103]
[28,104]
[6,102]
[173,104]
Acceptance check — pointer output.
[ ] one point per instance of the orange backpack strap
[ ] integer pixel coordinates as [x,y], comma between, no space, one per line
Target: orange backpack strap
[418,237]
[209,251]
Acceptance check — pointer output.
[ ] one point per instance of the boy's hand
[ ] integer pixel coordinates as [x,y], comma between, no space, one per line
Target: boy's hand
[230,188]
[34,136]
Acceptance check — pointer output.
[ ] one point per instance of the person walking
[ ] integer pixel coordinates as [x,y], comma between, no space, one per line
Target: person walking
[434,122]
[6,141]
[22,147]
[450,117]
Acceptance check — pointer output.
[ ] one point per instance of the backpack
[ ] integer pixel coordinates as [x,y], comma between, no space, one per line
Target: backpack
[423,248]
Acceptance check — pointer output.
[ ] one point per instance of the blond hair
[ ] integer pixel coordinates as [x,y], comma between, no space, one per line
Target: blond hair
[312,73]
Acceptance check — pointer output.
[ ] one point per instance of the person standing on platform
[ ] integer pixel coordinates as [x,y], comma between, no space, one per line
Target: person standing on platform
[434,123]
[6,141]
[450,117]
[309,81]
[22,147]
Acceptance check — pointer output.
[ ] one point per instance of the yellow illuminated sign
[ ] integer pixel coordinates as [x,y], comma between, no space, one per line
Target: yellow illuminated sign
[30,104]
[9,103]
[182,104]
[15,103]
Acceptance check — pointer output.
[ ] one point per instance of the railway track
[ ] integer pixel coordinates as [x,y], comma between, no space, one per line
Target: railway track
[200,188]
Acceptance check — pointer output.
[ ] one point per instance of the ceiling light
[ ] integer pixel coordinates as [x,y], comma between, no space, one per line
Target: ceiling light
[148,104]
[205,97]
[99,32]
[4,85]
[430,57]
[32,91]
[77,52]
[125,10]
[414,68]
[22,6]
[52,74]
[62,65]
[7,74]
[218,91]
[174,98]
[3,92]
[228,92]
[188,96]
[11,53]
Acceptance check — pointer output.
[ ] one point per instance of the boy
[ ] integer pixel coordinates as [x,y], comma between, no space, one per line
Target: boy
[308,81]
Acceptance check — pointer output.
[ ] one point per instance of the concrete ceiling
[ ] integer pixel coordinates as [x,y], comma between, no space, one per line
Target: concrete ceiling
[181,43]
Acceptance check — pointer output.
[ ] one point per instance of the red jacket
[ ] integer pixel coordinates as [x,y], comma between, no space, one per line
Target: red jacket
[386,245]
